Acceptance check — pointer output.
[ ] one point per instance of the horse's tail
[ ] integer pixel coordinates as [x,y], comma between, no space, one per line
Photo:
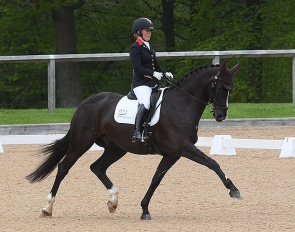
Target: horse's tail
[55,151]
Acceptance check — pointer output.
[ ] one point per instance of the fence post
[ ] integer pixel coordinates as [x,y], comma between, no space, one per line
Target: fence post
[51,85]
[216,60]
[218,148]
[288,148]
[293,79]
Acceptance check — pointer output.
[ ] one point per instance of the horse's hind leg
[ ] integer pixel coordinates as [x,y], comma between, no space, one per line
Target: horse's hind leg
[99,167]
[194,154]
[73,154]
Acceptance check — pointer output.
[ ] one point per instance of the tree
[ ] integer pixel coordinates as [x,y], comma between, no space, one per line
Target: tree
[168,24]
[24,31]
[255,43]
[99,26]
[68,73]
[34,14]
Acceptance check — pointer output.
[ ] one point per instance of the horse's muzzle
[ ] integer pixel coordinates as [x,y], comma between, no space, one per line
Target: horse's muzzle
[220,113]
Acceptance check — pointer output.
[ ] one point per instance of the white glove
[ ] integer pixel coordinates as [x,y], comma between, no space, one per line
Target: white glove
[169,75]
[158,75]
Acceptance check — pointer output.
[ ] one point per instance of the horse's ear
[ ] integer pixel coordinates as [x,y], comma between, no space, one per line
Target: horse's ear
[233,70]
[223,69]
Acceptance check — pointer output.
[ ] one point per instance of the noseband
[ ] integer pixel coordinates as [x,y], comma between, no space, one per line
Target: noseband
[212,93]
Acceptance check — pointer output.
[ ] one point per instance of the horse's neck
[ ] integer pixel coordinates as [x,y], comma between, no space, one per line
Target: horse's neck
[188,104]
[196,86]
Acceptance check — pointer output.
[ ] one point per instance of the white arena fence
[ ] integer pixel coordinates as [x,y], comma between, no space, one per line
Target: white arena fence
[220,144]
[214,55]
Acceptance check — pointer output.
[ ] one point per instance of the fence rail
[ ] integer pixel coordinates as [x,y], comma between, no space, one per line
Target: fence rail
[220,144]
[214,55]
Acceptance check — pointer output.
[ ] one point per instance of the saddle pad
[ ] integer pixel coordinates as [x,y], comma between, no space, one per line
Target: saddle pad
[126,110]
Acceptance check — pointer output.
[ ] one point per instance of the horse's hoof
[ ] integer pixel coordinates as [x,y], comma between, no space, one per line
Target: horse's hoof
[235,194]
[146,217]
[45,214]
[112,207]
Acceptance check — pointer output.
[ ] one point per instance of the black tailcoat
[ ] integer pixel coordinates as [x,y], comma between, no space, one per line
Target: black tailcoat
[144,63]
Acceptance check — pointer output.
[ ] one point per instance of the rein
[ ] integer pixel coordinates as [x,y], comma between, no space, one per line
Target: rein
[211,90]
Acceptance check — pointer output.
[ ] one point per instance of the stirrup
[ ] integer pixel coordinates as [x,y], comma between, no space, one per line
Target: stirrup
[136,137]
[139,137]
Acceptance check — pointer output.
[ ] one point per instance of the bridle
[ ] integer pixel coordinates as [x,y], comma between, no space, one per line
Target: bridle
[212,92]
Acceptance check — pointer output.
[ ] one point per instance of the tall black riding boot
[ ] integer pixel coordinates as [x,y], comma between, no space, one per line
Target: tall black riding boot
[138,123]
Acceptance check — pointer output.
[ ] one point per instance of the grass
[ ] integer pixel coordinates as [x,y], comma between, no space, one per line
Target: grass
[35,116]
[236,110]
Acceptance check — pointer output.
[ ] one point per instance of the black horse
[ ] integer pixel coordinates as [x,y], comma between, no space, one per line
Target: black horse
[174,135]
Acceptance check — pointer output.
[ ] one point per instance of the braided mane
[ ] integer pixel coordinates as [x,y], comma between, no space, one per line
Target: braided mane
[196,70]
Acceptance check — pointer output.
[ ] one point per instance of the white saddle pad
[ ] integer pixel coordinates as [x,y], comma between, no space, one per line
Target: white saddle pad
[126,110]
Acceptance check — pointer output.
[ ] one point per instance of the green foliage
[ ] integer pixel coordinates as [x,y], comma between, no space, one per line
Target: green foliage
[105,27]
[24,30]
[19,88]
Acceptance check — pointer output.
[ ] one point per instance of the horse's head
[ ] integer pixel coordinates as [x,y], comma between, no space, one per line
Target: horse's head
[220,89]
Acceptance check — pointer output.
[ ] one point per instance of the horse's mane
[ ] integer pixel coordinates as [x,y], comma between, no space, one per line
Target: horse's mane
[204,67]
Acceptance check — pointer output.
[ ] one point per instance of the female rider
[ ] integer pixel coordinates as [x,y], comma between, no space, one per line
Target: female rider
[146,70]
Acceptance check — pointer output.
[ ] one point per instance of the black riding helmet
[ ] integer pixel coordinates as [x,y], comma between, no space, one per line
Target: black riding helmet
[142,23]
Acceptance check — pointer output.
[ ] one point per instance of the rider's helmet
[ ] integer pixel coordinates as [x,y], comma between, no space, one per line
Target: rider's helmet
[142,23]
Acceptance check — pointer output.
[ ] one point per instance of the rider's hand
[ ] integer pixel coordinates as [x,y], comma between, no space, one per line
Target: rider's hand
[169,76]
[158,75]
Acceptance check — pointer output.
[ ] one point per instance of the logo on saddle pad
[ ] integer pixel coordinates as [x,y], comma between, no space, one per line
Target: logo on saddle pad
[122,111]
[126,110]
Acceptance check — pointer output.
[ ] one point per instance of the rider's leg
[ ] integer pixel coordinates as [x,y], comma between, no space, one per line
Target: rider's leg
[143,94]
[138,123]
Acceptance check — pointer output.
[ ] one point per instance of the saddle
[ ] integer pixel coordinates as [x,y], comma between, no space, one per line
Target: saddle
[155,96]
[126,110]
[156,93]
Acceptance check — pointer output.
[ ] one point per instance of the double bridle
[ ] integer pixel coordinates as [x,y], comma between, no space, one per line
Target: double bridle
[212,93]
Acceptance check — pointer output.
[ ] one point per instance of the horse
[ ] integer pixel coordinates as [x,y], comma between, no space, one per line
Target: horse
[174,135]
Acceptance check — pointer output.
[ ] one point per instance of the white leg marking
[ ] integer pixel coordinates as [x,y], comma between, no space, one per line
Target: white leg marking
[49,206]
[114,194]
[113,202]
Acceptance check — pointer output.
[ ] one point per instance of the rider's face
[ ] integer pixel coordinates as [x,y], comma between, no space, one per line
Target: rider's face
[146,34]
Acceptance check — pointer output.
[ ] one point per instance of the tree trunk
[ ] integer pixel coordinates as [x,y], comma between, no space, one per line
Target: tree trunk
[67,73]
[168,29]
[255,65]
[168,24]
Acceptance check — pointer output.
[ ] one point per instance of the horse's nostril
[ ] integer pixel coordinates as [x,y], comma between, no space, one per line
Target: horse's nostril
[219,119]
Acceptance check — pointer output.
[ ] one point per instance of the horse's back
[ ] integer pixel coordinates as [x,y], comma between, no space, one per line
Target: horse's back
[101,100]
[103,104]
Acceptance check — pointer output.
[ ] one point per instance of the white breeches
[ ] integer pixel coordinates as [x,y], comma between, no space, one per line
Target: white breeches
[143,94]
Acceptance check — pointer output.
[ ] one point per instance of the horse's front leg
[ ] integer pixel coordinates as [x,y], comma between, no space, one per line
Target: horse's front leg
[194,154]
[113,202]
[165,164]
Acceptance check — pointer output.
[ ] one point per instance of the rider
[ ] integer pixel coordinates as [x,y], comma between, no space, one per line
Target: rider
[146,70]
